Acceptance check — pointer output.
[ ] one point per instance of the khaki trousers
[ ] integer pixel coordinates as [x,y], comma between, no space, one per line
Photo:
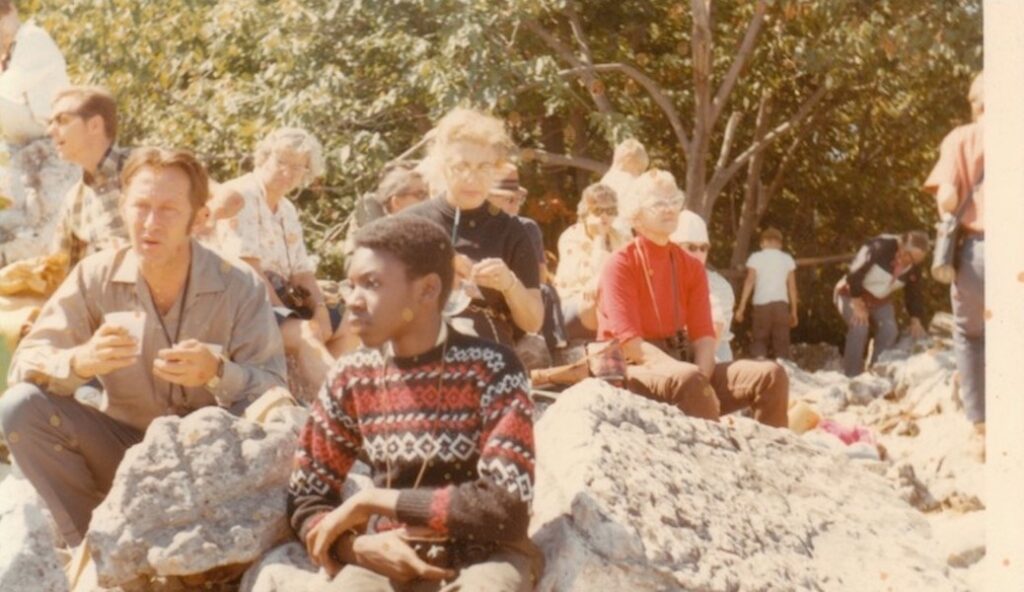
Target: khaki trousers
[770,323]
[760,385]
[506,570]
[68,451]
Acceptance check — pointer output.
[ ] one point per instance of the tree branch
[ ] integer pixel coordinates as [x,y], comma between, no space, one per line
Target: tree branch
[657,95]
[722,177]
[547,158]
[739,63]
[586,70]
[730,134]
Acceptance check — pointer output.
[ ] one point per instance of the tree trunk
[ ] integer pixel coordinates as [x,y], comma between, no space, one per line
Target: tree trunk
[752,195]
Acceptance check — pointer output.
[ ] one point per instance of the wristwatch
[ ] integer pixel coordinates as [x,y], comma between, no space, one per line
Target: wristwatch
[215,381]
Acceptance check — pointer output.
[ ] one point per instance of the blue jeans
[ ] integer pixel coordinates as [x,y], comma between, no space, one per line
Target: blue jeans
[968,296]
[883,318]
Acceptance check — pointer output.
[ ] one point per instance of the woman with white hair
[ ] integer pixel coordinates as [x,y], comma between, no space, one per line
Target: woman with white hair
[267,235]
[654,299]
[692,236]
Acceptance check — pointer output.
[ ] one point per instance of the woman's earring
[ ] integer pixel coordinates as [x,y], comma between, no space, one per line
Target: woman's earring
[407,314]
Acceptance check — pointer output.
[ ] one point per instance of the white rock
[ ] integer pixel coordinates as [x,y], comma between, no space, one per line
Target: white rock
[632,495]
[199,492]
[285,569]
[36,181]
[962,537]
[28,561]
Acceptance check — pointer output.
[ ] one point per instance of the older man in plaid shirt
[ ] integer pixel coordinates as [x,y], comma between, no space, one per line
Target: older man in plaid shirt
[83,125]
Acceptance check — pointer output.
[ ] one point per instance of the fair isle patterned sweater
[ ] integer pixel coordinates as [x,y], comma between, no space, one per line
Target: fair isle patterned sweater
[477,434]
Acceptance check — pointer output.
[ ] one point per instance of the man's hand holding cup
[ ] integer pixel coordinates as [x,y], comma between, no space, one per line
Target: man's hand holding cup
[111,348]
[190,363]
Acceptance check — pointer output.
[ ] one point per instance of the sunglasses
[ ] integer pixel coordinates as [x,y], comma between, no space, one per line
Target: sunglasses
[605,211]
[695,248]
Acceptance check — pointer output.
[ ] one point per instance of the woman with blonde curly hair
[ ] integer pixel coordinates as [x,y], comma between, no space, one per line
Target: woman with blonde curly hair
[494,255]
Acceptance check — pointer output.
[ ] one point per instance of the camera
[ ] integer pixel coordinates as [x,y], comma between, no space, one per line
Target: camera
[678,346]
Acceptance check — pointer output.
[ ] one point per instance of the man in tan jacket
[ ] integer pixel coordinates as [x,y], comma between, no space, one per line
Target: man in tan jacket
[199,331]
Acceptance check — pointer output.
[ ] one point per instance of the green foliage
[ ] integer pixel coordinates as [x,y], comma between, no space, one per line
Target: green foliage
[369,78]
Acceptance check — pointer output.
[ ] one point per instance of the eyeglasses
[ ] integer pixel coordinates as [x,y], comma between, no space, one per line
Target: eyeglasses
[464,169]
[611,211]
[512,200]
[418,195]
[62,118]
[664,205]
[696,248]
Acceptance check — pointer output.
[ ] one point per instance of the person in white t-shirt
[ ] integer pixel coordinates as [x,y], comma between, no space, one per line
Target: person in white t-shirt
[692,236]
[771,278]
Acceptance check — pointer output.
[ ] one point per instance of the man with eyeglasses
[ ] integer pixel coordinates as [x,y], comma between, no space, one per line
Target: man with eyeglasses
[654,299]
[83,125]
[882,266]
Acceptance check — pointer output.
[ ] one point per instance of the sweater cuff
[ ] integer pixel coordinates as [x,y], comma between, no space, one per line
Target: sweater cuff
[414,506]
[309,523]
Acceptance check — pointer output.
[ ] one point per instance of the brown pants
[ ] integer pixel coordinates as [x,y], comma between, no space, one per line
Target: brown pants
[770,322]
[507,570]
[761,385]
[68,451]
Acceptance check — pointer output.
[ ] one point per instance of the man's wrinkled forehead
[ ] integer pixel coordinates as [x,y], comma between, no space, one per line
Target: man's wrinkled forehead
[152,183]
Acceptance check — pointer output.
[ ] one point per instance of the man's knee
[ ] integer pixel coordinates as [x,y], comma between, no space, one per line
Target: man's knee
[20,406]
[691,392]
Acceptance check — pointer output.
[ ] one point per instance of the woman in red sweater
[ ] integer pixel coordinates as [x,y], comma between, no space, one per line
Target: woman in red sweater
[653,297]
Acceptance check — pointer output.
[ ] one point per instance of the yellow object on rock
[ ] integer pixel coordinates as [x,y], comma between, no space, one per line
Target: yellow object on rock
[803,418]
[38,276]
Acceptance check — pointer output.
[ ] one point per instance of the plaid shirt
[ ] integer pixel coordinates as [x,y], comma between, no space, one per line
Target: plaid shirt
[90,220]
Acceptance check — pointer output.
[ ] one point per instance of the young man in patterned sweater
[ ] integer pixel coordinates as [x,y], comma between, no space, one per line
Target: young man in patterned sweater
[445,422]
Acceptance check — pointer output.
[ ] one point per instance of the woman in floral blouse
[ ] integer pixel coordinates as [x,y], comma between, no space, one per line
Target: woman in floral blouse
[267,235]
[582,250]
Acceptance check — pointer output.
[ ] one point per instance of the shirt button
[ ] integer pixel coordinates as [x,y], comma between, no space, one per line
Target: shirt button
[54,421]
[472,223]
[58,448]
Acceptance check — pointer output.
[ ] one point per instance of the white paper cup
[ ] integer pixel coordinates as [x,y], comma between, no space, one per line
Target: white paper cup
[133,321]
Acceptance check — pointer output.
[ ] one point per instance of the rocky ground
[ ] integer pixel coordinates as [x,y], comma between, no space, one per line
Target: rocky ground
[630,495]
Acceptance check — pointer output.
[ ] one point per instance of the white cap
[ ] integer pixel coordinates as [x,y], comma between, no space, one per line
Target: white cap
[691,229]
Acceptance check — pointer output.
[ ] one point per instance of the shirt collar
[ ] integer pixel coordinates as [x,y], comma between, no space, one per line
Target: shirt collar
[388,349]
[108,169]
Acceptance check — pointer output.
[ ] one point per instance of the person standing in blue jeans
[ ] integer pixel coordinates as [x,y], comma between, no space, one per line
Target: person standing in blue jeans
[863,296]
[958,175]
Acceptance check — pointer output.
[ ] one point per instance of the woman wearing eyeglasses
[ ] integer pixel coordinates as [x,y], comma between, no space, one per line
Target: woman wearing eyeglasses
[495,260]
[582,251]
[692,236]
[267,235]
[654,300]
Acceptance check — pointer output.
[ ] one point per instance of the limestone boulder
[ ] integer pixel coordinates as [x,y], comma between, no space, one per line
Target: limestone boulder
[28,561]
[201,492]
[632,495]
[285,569]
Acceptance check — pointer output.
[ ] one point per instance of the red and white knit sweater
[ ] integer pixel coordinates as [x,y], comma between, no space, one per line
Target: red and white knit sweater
[477,432]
